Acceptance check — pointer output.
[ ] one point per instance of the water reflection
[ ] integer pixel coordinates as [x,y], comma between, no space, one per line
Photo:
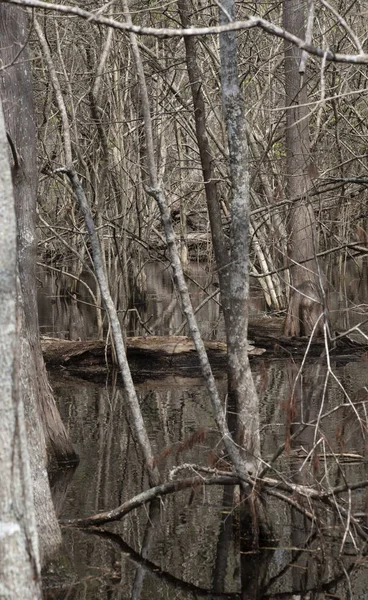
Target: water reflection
[196,547]
[193,544]
[154,310]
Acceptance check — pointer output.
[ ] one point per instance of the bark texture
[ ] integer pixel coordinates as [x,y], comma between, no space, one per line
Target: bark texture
[307,293]
[39,404]
[156,192]
[242,391]
[17,97]
[218,238]
[19,554]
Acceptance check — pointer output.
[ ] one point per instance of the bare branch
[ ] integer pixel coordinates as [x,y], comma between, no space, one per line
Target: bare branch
[147,496]
[250,23]
[344,24]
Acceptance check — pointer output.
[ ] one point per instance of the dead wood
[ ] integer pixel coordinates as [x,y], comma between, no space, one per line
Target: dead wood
[146,496]
[153,356]
[158,356]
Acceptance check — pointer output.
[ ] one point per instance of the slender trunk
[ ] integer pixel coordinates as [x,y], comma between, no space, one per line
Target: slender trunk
[98,264]
[218,238]
[241,386]
[117,335]
[307,293]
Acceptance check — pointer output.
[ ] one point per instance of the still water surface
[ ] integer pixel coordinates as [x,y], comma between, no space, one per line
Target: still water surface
[190,545]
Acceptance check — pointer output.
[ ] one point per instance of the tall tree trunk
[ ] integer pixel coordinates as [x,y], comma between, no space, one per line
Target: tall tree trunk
[221,250]
[19,554]
[17,97]
[242,391]
[156,191]
[42,416]
[305,304]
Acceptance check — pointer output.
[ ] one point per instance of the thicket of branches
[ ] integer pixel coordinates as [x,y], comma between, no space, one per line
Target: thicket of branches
[121,142]
[98,80]
[127,152]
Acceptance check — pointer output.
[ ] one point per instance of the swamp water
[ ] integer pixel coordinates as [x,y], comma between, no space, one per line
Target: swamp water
[189,545]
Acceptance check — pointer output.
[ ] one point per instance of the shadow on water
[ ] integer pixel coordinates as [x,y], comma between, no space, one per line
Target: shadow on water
[196,543]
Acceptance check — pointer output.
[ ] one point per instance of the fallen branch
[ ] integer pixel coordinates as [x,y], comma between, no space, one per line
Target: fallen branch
[147,496]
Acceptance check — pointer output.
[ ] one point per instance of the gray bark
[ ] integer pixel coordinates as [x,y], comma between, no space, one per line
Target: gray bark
[98,263]
[156,192]
[19,554]
[241,386]
[17,97]
[117,335]
[16,94]
[210,185]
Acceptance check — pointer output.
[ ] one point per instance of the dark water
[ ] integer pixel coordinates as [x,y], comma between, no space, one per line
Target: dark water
[191,545]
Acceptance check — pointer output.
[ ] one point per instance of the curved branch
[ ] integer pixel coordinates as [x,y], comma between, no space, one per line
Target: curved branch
[147,496]
[250,23]
[193,591]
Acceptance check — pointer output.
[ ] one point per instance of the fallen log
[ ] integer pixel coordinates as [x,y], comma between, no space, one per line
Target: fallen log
[152,356]
[158,356]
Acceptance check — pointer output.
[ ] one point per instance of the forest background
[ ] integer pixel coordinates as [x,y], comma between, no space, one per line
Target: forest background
[248,132]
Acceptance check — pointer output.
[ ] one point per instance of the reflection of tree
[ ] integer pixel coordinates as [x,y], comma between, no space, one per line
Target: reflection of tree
[237,529]
[308,391]
[151,568]
[147,546]
[224,541]
[174,418]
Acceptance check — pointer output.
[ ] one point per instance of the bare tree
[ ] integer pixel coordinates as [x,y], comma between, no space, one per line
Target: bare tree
[219,242]
[242,392]
[98,263]
[43,418]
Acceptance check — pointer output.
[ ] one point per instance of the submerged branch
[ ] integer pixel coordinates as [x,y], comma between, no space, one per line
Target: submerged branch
[268,485]
[147,496]
[156,572]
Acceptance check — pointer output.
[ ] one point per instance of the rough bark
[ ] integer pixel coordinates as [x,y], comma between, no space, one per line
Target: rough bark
[242,391]
[17,97]
[307,291]
[19,554]
[39,405]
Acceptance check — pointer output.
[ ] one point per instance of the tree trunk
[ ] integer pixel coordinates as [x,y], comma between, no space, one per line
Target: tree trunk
[156,191]
[242,392]
[243,398]
[42,417]
[213,206]
[19,554]
[307,291]
[17,97]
